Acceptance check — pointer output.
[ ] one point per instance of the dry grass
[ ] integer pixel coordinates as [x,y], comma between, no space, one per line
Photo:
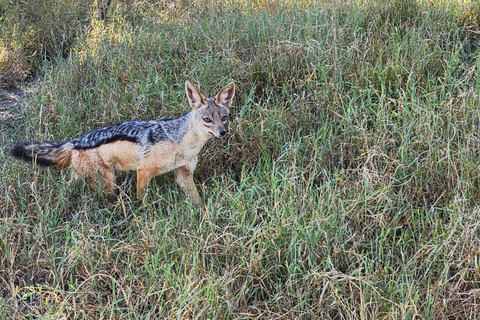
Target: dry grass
[347,188]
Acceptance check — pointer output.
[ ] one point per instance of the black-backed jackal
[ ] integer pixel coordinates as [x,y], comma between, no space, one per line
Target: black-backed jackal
[149,147]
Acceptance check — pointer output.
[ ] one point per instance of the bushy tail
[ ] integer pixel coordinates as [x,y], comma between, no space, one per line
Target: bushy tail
[47,154]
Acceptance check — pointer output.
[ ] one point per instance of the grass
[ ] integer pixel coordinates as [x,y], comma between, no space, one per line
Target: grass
[347,188]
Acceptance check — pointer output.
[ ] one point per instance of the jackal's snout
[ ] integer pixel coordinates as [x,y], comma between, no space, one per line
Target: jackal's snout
[220,133]
[218,130]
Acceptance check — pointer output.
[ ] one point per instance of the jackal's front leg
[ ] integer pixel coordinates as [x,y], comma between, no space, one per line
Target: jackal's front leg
[184,178]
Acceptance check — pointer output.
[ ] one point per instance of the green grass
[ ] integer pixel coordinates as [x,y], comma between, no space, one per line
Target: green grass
[348,186]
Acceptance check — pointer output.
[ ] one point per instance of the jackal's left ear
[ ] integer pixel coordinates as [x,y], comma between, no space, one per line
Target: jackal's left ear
[225,96]
[195,97]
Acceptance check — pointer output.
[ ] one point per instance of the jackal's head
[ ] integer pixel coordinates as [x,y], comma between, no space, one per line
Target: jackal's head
[210,115]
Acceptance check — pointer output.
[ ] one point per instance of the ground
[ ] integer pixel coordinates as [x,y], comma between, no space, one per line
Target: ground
[10,98]
[13,98]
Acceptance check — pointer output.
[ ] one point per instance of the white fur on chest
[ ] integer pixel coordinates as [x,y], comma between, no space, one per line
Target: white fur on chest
[188,154]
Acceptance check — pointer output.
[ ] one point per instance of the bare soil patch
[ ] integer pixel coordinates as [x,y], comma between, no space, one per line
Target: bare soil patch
[13,98]
[9,98]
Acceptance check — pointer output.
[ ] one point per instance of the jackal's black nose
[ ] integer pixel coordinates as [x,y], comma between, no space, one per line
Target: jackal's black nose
[222,133]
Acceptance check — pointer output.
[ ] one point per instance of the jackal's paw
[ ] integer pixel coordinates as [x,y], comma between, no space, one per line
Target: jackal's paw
[197,201]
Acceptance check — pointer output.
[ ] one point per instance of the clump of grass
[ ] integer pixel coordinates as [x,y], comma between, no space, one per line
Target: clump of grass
[348,186]
[34,31]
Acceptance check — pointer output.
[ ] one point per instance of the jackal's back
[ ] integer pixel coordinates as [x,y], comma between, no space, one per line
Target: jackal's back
[141,132]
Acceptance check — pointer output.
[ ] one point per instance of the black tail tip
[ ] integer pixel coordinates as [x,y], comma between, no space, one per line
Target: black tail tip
[27,152]
[18,151]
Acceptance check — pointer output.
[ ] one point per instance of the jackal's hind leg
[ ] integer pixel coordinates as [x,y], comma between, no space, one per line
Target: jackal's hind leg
[108,180]
[87,165]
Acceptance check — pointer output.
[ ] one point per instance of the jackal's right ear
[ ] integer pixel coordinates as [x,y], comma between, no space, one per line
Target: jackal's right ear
[195,98]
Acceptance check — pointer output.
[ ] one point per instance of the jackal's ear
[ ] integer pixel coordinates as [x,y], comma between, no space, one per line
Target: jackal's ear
[225,96]
[195,98]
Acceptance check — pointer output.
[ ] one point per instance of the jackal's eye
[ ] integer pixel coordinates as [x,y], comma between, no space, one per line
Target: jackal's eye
[207,119]
[224,118]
